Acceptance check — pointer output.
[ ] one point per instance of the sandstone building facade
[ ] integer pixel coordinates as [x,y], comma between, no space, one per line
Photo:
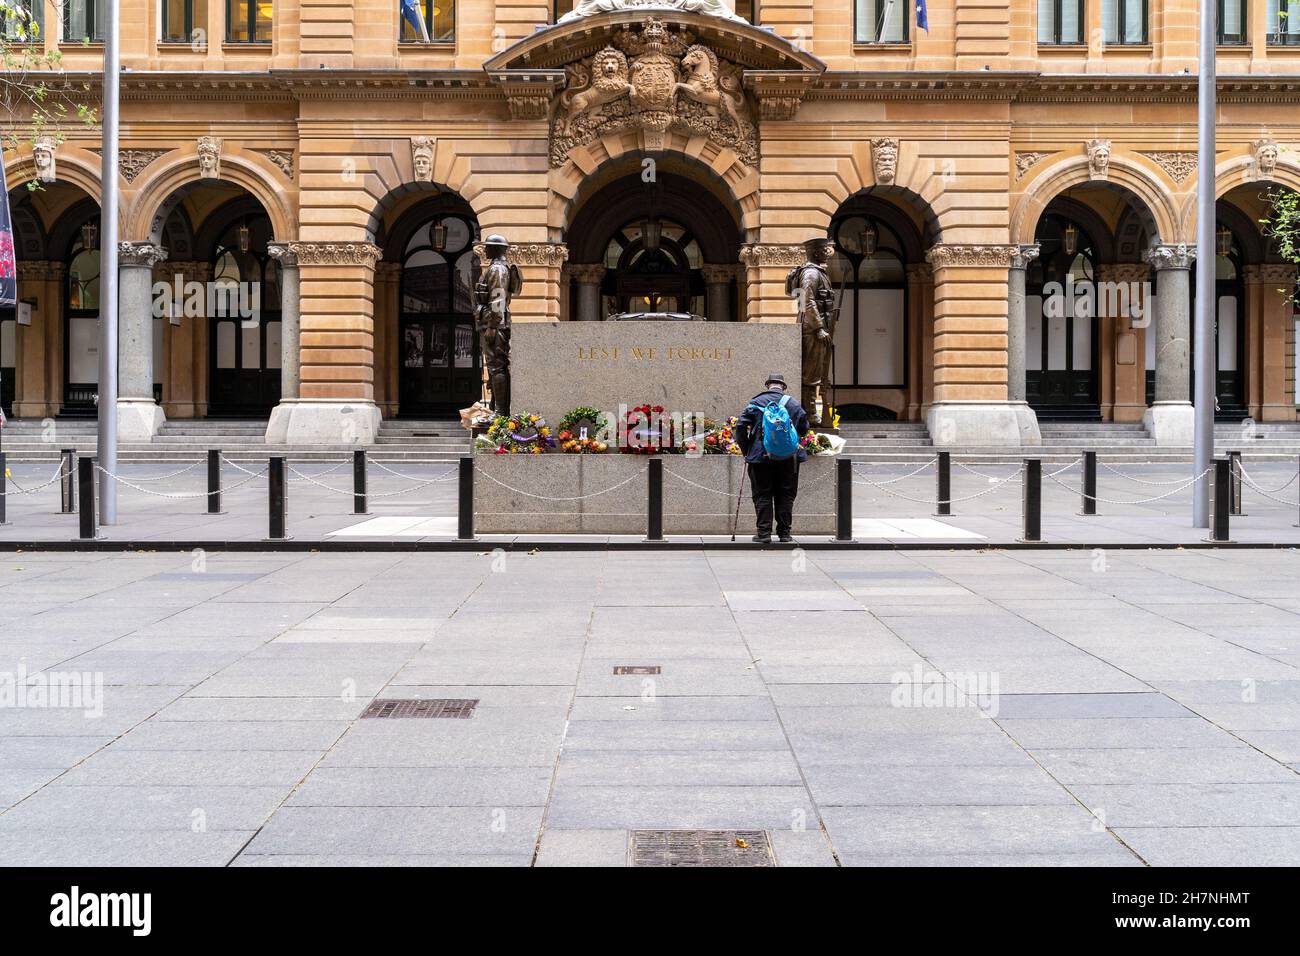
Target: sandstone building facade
[665,156]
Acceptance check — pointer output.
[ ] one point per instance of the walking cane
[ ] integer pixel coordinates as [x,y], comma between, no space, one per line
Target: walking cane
[735,520]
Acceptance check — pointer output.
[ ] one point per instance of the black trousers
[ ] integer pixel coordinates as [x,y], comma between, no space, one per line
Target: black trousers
[775,485]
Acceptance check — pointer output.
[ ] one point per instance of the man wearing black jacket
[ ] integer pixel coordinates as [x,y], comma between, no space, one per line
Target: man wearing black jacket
[771,482]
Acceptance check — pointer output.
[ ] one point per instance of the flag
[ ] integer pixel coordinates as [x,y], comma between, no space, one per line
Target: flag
[413,15]
[8,265]
[922,18]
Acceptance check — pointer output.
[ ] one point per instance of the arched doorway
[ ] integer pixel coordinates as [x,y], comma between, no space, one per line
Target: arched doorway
[440,370]
[244,323]
[879,276]
[669,245]
[1061,323]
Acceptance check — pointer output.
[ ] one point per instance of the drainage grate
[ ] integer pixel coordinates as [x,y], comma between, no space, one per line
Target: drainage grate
[421,708]
[701,848]
[624,669]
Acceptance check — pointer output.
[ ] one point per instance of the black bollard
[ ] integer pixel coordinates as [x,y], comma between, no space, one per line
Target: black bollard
[844,499]
[214,481]
[1089,483]
[465,506]
[943,491]
[359,482]
[1220,499]
[278,491]
[1033,507]
[1234,475]
[86,491]
[4,488]
[68,483]
[655,506]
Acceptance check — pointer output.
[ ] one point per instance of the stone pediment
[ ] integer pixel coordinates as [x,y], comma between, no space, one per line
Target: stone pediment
[654,70]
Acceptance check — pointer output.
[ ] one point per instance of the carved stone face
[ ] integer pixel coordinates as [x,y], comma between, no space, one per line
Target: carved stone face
[884,157]
[422,158]
[1098,156]
[209,157]
[43,156]
[1266,157]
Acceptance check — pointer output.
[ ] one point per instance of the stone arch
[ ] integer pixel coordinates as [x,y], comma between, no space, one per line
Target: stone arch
[75,166]
[592,166]
[1141,181]
[1239,170]
[171,173]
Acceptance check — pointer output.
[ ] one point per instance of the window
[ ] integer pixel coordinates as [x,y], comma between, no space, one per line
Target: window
[23,20]
[83,20]
[1060,22]
[248,21]
[437,17]
[1283,22]
[1124,21]
[182,19]
[880,21]
[1232,22]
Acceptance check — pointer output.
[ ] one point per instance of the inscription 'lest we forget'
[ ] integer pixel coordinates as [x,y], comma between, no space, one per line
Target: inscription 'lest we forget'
[651,353]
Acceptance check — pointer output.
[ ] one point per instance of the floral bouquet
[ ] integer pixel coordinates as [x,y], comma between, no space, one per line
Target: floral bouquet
[646,431]
[520,434]
[815,443]
[713,439]
[583,431]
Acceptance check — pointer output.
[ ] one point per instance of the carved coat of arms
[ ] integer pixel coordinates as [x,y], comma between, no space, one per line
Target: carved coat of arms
[670,81]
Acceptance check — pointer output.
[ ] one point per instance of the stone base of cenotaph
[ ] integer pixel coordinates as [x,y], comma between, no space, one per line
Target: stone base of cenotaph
[607,494]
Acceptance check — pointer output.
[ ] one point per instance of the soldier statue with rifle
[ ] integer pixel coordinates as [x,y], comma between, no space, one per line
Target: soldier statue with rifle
[497,285]
[810,285]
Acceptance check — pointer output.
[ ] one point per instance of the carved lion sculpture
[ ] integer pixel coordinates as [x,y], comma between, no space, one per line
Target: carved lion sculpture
[608,83]
[705,84]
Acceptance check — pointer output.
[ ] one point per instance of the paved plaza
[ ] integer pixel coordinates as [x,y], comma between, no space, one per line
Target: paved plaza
[1076,708]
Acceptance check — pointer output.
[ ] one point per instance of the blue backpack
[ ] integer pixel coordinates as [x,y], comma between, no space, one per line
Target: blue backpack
[779,437]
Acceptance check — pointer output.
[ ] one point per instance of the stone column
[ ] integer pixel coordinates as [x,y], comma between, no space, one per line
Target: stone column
[290,342]
[1171,419]
[1271,285]
[388,290]
[138,415]
[717,290]
[335,401]
[588,276]
[1016,321]
[920,292]
[971,406]
[766,265]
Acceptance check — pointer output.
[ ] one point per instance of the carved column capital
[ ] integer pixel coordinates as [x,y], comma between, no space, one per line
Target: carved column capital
[283,254]
[552,254]
[144,254]
[586,273]
[1024,255]
[946,256]
[773,254]
[1271,272]
[1179,256]
[40,270]
[717,272]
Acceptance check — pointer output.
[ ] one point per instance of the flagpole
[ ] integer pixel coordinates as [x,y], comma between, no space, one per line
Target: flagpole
[1203,441]
[107,452]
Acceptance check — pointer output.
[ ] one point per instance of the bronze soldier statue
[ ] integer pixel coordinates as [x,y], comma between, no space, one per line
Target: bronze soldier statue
[497,285]
[810,284]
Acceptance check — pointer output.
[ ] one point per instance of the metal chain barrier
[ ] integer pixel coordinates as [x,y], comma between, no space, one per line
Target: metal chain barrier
[1142,481]
[1139,501]
[1270,495]
[890,481]
[176,496]
[328,471]
[59,474]
[175,474]
[999,483]
[445,476]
